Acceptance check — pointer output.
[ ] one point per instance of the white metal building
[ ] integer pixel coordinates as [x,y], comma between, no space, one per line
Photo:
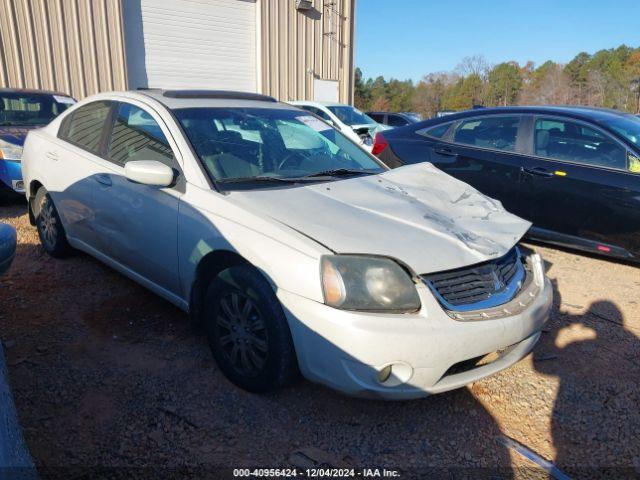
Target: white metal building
[269,46]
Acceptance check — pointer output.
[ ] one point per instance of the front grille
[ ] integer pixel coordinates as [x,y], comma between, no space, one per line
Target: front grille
[485,285]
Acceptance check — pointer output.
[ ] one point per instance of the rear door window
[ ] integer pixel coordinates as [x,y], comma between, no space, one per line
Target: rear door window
[84,128]
[578,143]
[137,136]
[317,111]
[439,131]
[494,132]
[396,121]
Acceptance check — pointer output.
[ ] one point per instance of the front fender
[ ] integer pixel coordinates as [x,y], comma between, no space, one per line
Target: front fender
[211,222]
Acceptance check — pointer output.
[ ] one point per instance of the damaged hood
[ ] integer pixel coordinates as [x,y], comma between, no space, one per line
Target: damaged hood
[416,214]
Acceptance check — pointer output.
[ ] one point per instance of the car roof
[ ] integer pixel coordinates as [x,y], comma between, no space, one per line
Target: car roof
[193,98]
[319,104]
[577,112]
[379,112]
[32,91]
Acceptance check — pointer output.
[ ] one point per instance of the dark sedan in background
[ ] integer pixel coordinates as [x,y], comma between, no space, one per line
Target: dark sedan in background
[574,172]
[395,119]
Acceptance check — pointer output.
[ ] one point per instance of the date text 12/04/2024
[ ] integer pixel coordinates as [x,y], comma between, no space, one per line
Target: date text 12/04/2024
[317,472]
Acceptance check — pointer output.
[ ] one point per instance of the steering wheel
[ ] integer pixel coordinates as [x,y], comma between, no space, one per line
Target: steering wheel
[207,145]
[289,157]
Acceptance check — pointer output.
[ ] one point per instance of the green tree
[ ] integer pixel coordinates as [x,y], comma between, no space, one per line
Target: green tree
[505,81]
[632,68]
[361,92]
[400,94]
[607,78]
[465,93]
[578,73]
[428,98]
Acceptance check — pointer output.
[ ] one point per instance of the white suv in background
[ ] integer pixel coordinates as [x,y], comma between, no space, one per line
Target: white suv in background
[353,123]
[296,250]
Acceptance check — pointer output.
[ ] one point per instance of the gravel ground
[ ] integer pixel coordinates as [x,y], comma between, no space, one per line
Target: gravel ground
[106,374]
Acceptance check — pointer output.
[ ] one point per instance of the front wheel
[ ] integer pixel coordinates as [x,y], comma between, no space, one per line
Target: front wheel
[247,330]
[50,229]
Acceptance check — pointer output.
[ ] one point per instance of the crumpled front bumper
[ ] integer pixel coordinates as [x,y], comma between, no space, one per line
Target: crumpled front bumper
[348,351]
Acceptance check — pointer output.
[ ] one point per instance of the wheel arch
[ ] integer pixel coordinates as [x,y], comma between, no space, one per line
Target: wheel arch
[207,269]
[33,188]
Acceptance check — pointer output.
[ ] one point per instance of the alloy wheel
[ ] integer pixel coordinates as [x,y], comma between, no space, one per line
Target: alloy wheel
[241,333]
[48,223]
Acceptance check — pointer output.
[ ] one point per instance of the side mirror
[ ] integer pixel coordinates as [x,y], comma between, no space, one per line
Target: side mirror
[149,172]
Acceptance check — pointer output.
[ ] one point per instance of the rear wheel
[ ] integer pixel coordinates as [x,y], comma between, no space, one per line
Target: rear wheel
[50,229]
[248,332]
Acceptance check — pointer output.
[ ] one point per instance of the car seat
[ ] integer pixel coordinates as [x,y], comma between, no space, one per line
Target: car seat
[233,156]
[467,137]
[542,142]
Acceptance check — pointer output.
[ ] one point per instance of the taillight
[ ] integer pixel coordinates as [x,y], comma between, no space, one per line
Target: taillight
[379,144]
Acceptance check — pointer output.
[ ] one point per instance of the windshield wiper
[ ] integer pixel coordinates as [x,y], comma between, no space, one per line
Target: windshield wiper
[263,178]
[339,172]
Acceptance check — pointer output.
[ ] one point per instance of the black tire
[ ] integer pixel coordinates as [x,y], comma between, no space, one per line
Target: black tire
[50,230]
[248,332]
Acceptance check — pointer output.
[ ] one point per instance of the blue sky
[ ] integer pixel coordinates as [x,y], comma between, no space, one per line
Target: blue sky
[409,38]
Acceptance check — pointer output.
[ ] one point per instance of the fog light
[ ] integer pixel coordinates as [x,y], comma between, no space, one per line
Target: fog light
[394,374]
[18,185]
[384,374]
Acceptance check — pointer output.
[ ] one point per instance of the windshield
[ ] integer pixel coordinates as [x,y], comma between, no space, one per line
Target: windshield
[415,116]
[258,143]
[628,127]
[26,108]
[350,115]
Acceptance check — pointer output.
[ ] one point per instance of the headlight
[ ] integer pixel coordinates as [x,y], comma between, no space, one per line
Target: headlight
[9,151]
[353,282]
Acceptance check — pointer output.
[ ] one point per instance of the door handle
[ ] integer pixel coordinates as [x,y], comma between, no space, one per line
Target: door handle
[447,152]
[538,171]
[52,155]
[103,179]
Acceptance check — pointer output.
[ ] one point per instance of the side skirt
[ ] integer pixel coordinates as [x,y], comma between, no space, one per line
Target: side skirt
[579,243]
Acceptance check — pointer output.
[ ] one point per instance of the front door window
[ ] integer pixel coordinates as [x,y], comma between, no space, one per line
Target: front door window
[577,143]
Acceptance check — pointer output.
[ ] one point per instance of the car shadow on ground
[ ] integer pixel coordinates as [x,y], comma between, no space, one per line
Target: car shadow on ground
[594,357]
[12,205]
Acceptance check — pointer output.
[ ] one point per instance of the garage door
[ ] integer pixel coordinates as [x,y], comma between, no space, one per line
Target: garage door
[191,44]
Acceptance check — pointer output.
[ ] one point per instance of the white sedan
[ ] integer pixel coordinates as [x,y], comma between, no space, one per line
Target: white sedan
[295,249]
[351,122]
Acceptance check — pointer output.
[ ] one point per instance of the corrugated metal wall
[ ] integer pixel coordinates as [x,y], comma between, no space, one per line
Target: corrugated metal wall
[298,44]
[77,46]
[72,46]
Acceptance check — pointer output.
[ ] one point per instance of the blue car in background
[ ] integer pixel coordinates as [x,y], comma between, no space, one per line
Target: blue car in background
[7,246]
[21,111]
